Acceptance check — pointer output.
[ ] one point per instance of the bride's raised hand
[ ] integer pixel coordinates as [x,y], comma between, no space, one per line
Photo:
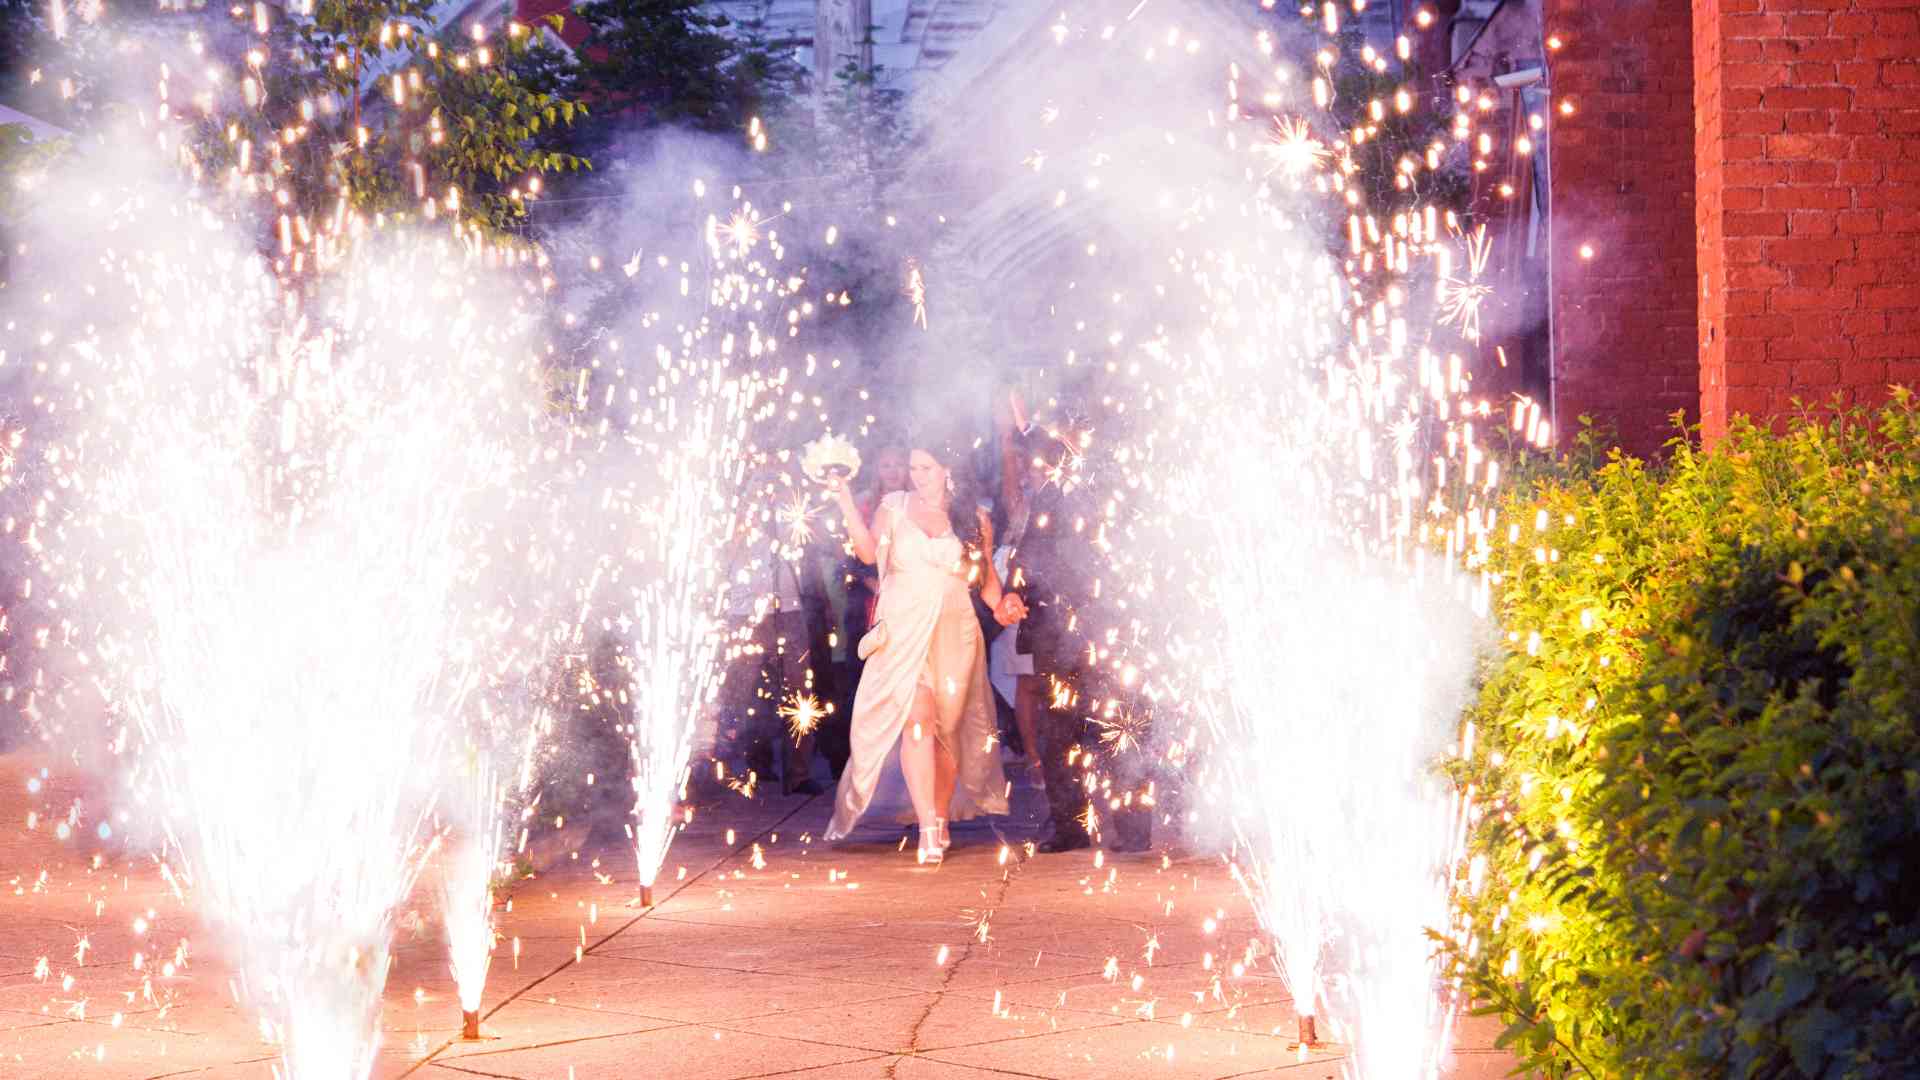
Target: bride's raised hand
[842,494]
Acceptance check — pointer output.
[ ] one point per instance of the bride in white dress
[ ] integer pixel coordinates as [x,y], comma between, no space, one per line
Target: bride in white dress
[925,689]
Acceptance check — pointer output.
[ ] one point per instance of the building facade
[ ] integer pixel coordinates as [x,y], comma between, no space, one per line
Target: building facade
[1734,206]
[1704,207]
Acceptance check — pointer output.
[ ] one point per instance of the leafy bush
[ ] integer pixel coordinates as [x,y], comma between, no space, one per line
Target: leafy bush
[1697,760]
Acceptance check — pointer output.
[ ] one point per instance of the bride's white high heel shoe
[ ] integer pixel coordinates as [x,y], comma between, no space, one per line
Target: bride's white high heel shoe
[930,852]
[941,835]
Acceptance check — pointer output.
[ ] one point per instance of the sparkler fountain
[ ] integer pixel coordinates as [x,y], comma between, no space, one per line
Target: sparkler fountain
[673,432]
[676,621]
[1326,646]
[467,874]
[480,804]
[256,525]
[1295,447]
[509,725]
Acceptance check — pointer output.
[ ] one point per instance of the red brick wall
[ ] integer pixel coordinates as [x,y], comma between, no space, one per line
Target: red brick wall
[1809,217]
[1624,320]
[1709,135]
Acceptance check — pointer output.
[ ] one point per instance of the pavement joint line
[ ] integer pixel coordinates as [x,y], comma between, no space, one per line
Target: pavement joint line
[668,1021]
[680,887]
[1006,887]
[601,1010]
[1112,1021]
[666,1025]
[471,1072]
[802,1071]
[41,1022]
[662,963]
[1257,1071]
[895,988]
[1315,1061]
[901,1057]
[942,989]
[731,1025]
[997,1071]
[208,1068]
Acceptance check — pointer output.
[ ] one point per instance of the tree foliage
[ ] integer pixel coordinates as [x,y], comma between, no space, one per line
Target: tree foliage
[389,110]
[652,62]
[22,158]
[1378,104]
[842,152]
[1697,759]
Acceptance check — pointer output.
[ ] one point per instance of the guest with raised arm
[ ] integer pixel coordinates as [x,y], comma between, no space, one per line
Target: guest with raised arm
[1049,575]
[1023,476]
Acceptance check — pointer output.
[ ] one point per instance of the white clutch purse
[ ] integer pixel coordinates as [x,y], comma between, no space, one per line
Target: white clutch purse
[872,641]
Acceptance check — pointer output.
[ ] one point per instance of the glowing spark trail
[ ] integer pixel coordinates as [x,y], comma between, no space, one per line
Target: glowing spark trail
[917,293]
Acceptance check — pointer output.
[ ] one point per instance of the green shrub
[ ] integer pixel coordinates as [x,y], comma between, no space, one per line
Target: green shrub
[1697,760]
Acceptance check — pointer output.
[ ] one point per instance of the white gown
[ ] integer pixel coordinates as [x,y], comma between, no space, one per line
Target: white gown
[933,639]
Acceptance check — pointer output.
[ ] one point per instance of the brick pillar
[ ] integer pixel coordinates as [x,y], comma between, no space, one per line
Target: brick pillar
[1809,214]
[1622,222]
[1710,184]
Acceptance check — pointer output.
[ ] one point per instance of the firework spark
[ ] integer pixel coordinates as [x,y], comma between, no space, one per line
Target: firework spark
[1293,149]
[803,713]
[1123,732]
[741,231]
[916,291]
[796,519]
[1461,297]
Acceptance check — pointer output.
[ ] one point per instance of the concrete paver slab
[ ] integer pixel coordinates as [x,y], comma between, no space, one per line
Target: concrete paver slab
[918,1023]
[686,1052]
[796,959]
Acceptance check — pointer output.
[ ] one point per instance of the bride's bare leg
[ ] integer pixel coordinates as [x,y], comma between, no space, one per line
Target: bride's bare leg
[946,777]
[917,758]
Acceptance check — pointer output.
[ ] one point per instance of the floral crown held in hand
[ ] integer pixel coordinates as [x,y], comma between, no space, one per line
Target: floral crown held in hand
[829,457]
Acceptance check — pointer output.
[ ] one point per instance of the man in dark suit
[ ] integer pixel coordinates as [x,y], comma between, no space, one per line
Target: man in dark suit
[1054,569]
[1047,570]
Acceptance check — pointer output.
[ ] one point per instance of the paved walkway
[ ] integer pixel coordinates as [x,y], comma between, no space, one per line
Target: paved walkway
[826,963]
